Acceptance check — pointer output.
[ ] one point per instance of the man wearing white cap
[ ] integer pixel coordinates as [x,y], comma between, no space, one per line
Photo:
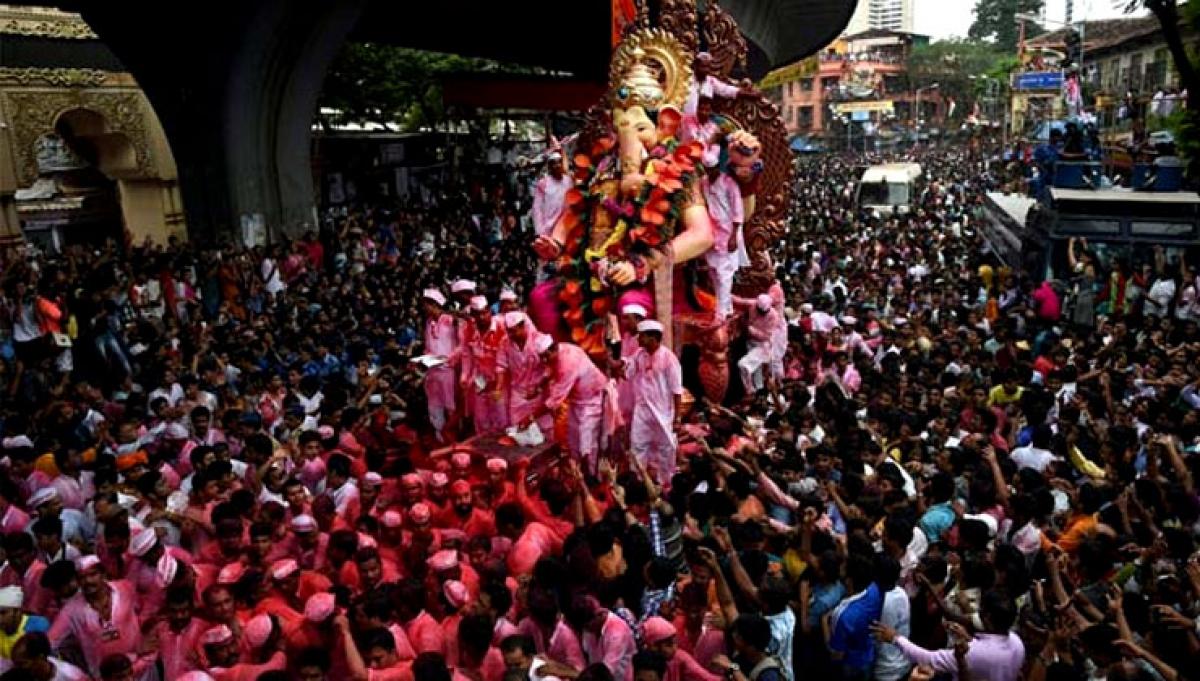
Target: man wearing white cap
[480,377]
[657,381]
[101,618]
[523,370]
[576,382]
[441,339]
[462,290]
[509,301]
[549,194]
[764,321]
[725,208]
[13,622]
[632,314]
[77,527]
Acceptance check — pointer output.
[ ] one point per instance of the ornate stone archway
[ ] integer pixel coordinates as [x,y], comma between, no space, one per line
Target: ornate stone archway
[35,113]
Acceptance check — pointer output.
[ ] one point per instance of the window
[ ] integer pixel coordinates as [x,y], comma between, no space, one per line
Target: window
[1168,229]
[806,84]
[1088,226]
[792,88]
[829,83]
[806,117]
[883,194]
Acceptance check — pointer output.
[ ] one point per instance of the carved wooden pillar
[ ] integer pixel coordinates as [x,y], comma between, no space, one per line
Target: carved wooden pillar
[714,361]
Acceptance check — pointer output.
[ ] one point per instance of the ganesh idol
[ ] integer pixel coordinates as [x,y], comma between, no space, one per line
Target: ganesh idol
[635,217]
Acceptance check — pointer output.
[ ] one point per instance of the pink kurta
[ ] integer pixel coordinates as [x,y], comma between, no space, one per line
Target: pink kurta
[404,649]
[657,380]
[563,645]
[548,201]
[425,634]
[614,648]
[710,87]
[440,340]
[14,520]
[684,667]
[177,650]
[145,580]
[575,380]
[480,367]
[525,374]
[36,598]
[536,541]
[629,347]
[249,672]
[764,337]
[96,637]
[725,208]
[450,638]
[74,493]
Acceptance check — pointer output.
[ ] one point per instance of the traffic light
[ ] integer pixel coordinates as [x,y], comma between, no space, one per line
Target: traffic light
[1074,45]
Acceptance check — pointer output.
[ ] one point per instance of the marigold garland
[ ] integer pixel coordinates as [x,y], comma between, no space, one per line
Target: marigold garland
[649,221]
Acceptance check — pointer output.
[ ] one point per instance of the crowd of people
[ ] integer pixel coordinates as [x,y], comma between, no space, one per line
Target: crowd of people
[243,464]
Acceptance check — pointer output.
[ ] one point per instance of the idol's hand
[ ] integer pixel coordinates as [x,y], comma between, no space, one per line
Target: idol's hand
[546,247]
[622,274]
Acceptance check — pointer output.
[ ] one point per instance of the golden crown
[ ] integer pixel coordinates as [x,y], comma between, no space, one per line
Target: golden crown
[651,69]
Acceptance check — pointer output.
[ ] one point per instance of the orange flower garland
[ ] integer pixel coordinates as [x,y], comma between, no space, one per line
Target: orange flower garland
[651,217]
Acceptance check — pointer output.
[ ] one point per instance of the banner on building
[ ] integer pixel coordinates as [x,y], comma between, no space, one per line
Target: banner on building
[880,106]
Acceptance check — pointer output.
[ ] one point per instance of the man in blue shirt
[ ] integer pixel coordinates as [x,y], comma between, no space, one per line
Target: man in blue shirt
[850,641]
[940,516]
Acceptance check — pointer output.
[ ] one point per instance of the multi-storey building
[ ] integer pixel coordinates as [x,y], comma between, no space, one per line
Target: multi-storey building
[863,72]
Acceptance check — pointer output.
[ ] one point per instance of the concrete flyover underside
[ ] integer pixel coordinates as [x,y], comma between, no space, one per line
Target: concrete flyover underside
[235,82]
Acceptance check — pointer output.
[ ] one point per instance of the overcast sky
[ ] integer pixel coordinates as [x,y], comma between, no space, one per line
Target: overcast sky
[943,19]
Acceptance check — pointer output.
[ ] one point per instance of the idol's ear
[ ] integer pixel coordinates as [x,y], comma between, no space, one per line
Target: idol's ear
[669,118]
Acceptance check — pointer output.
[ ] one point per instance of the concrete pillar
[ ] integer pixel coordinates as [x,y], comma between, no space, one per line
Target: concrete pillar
[235,85]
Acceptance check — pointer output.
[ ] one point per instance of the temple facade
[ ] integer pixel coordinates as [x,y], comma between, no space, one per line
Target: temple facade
[83,158]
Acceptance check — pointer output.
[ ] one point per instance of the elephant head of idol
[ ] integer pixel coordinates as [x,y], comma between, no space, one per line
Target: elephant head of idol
[649,79]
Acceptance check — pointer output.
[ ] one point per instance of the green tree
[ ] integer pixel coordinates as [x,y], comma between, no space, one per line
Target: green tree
[958,67]
[396,87]
[1173,18]
[996,20]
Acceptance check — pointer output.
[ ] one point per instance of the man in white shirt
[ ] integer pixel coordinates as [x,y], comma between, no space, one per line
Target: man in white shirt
[168,389]
[1187,308]
[1160,295]
[518,652]
[549,195]
[340,485]
[724,200]
[1036,454]
[705,85]
[890,662]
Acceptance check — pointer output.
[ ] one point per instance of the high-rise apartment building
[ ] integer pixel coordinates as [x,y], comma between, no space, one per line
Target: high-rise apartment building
[890,15]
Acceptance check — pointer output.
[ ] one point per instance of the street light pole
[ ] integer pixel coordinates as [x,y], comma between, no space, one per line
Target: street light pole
[917,120]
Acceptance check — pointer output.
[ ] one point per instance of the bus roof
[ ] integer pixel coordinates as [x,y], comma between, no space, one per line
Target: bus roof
[890,171]
[1124,195]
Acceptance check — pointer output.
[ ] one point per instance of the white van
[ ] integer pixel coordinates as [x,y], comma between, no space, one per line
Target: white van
[888,187]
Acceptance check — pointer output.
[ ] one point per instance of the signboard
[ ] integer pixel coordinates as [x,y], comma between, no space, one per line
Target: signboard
[860,116]
[882,106]
[1038,80]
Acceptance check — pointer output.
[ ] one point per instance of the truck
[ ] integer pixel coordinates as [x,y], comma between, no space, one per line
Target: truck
[1120,226]
[888,188]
